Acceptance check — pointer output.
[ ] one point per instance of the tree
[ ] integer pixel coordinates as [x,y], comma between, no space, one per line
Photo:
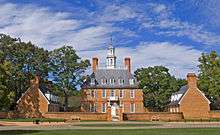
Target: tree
[67,70]
[157,85]
[6,94]
[26,61]
[209,77]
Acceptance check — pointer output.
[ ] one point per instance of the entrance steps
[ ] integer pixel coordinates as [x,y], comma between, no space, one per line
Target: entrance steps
[115,118]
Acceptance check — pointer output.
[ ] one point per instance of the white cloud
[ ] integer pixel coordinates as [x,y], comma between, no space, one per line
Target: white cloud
[116,13]
[168,25]
[50,29]
[178,58]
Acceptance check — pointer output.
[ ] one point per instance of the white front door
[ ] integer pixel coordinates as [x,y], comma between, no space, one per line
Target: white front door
[113,109]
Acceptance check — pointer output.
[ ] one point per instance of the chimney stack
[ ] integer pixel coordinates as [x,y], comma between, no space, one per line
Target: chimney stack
[192,80]
[128,64]
[94,64]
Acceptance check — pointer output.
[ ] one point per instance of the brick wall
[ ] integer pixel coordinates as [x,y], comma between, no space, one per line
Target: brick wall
[81,115]
[194,105]
[214,114]
[161,116]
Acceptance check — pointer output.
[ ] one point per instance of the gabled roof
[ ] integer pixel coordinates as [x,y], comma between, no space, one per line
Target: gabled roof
[108,74]
[183,90]
[39,92]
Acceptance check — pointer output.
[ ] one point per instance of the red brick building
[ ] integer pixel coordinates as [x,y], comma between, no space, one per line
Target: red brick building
[35,102]
[112,87]
[190,100]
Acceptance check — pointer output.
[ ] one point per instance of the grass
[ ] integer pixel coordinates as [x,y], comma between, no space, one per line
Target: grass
[31,120]
[188,131]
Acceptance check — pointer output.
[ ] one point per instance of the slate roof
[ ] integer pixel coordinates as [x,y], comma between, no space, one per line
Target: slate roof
[108,74]
[182,91]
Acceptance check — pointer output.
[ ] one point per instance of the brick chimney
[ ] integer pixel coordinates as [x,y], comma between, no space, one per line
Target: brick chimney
[128,64]
[192,80]
[94,64]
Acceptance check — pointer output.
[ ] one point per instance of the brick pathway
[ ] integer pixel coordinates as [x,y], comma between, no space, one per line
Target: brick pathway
[77,125]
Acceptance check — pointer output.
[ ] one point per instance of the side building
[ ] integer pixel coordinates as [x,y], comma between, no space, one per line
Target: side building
[111,87]
[35,102]
[190,100]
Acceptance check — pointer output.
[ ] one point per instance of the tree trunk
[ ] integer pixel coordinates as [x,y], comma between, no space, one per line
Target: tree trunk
[66,102]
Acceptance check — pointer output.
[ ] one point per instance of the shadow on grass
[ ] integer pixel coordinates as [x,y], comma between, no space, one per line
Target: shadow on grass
[17,132]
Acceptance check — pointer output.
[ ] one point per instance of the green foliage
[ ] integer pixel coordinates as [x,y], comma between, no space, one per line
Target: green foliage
[6,94]
[157,85]
[209,77]
[26,60]
[67,70]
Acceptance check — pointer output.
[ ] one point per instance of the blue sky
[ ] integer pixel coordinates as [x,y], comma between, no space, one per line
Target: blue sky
[172,33]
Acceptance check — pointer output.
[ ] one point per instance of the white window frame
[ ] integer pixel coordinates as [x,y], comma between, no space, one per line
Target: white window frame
[92,107]
[104,105]
[120,81]
[111,93]
[103,81]
[92,81]
[132,111]
[120,93]
[112,81]
[132,95]
[122,105]
[131,81]
[103,91]
[93,93]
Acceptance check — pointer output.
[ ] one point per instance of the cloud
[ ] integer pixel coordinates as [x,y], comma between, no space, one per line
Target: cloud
[50,29]
[113,13]
[180,59]
[164,23]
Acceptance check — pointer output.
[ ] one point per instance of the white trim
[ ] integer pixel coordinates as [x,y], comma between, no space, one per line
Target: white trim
[105,105]
[121,90]
[102,93]
[133,93]
[133,108]
[199,92]
[29,90]
[44,96]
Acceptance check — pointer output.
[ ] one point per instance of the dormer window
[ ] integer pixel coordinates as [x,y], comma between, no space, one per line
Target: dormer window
[103,81]
[121,81]
[131,81]
[92,81]
[112,81]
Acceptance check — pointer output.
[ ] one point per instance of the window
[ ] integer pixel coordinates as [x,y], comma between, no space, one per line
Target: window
[131,81]
[132,108]
[103,93]
[120,81]
[93,93]
[112,81]
[111,62]
[121,93]
[103,107]
[132,93]
[92,81]
[112,94]
[92,107]
[103,81]
[122,106]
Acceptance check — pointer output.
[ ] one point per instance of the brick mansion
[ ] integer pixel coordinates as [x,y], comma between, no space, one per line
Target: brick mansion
[112,87]
[114,94]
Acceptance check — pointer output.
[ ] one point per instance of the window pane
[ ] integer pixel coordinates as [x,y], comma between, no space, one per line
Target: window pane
[103,93]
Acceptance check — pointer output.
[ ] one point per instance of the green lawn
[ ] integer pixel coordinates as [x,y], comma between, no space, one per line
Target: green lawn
[206,131]
[32,119]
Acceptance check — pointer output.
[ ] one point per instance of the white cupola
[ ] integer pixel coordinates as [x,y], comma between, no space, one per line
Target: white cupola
[111,58]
